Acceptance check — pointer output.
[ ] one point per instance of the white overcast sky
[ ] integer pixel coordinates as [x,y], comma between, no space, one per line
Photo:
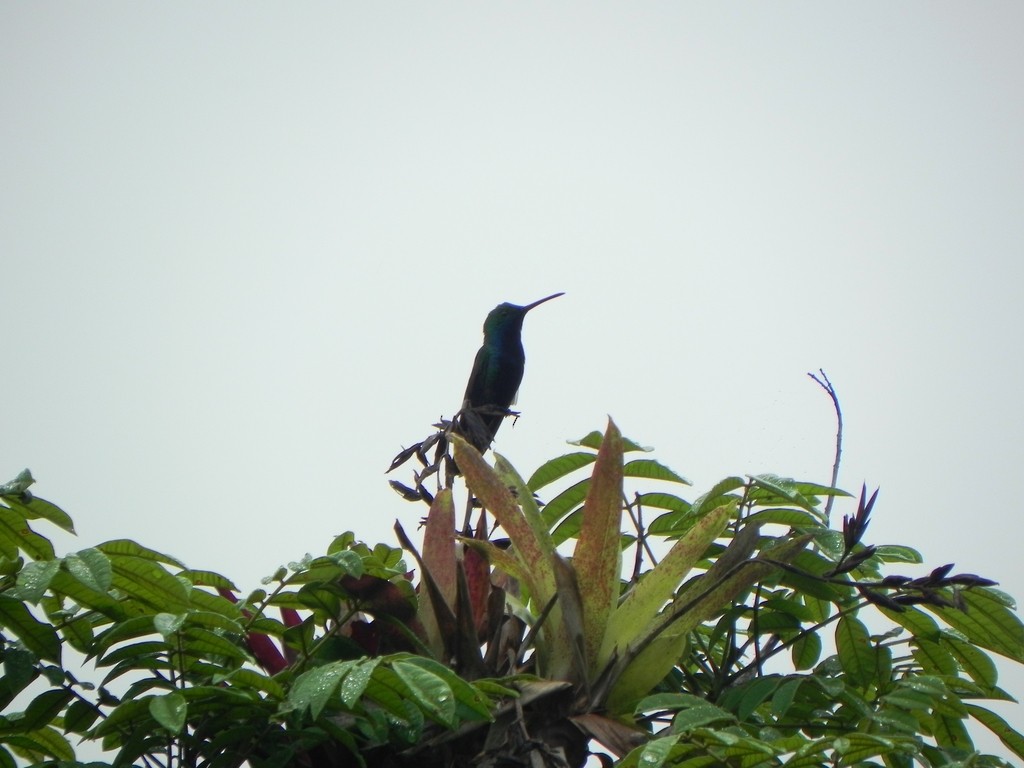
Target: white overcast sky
[247,249]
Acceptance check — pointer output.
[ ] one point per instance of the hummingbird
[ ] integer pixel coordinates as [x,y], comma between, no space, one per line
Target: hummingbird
[497,373]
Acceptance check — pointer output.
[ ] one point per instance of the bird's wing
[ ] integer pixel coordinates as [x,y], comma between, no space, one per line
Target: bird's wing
[477,383]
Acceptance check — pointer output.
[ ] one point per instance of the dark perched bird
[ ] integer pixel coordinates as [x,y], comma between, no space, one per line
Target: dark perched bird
[496,375]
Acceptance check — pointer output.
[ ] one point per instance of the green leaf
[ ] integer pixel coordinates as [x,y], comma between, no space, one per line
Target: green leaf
[148,582]
[787,605]
[131,548]
[668,701]
[15,529]
[783,698]
[1011,738]
[910,698]
[430,692]
[207,602]
[252,679]
[91,567]
[569,528]
[565,502]
[754,693]
[203,642]
[883,665]
[313,690]
[974,661]
[355,683]
[891,553]
[1003,598]
[80,716]
[713,498]
[267,626]
[78,633]
[652,470]
[19,671]
[34,580]
[806,651]
[933,658]
[208,579]
[807,755]
[135,653]
[558,468]
[121,716]
[777,622]
[278,575]
[784,488]
[18,485]
[594,440]
[917,622]
[170,710]
[814,489]
[388,690]
[350,561]
[656,752]
[897,719]
[55,675]
[856,748]
[35,508]
[167,624]
[491,687]
[320,569]
[213,620]
[67,585]
[469,696]
[38,637]
[795,518]
[814,564]
[856,653]
[138,626]
[987,623]
[736,743]
[702,714]
[42,710]
[675,522]
[664,501]
[817,610]
[950,731]
[10,541]
[45,741]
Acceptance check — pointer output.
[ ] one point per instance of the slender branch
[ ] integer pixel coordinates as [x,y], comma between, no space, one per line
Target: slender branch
[705,660]
[641,533]
[467,521]
[811,630]
[758,661]
[825,384]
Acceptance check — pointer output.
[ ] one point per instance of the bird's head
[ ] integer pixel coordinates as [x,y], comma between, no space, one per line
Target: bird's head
[505,317]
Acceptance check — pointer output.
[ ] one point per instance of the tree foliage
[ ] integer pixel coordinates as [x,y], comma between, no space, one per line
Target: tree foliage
[743,631]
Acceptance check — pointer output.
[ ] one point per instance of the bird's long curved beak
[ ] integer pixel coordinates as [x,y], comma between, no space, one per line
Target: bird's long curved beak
[528,307]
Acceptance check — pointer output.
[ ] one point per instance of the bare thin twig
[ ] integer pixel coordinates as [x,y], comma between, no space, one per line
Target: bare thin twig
[825,384]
